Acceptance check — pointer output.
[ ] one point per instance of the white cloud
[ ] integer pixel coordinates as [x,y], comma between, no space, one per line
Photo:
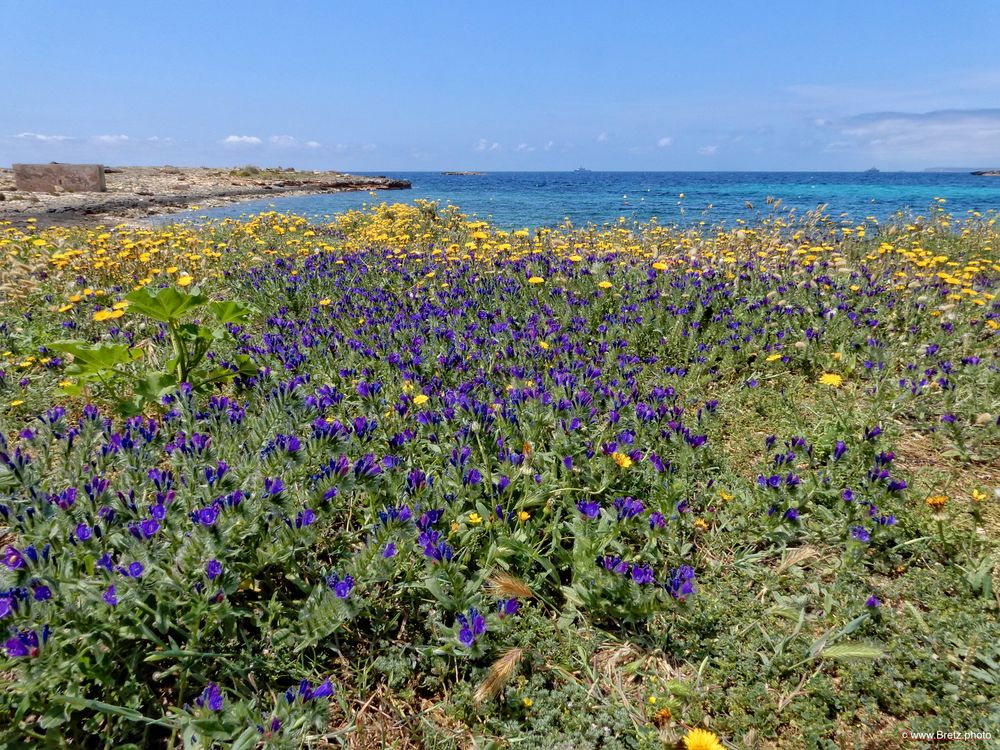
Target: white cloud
[664,141]
[484,145]
[368,147]
[708,150]
[282,141]
[524,148]
[109,140]
[240,140]
[550,145]
[958,134]
[313,144]
[602,138]
[41,137]
[159,139]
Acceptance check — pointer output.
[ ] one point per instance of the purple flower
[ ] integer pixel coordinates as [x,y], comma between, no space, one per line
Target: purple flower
[508,607]
[839,450]
[589,508]
[657,521]
[389,551]
[273,486]
[83,532]
[860,534]
[324,689]
[207,516]
[642,573]
[472,627]
[149,527]
[6,606]
[42,593]
[628,507]
[23,644]
[792,514]
[341,587]
[13,559]
[110,596]
[211,697]
[680,584]
[213,569]
[136,569]
[873,602]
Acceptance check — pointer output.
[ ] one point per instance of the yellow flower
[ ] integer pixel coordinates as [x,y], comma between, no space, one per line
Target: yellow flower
[420,399]
[18,402]
[702,739]
[536,280]
[454,526]
[936,501]
[184,280]
[120,305]
[65,308]
[523,516]
[604,284]
[621,459]
[726,497]
[773,357]
[978,496]
[660,266]
[528,703]
[475,519]
[576,258]
[325,302]
[108,314]
[831,379]
[543,344]
[700,524]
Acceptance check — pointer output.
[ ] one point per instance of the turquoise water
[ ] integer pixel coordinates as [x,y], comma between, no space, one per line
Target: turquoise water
[526,199]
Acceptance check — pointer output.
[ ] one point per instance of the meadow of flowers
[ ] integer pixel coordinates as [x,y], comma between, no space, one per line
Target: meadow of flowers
[405,479]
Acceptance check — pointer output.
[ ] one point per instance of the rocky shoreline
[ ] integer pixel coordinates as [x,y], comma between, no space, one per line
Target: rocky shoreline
[137,192]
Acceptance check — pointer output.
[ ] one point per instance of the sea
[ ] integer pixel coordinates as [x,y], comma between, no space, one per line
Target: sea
[536,199]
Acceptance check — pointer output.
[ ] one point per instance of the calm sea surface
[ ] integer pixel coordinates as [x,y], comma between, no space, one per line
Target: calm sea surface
[528,199]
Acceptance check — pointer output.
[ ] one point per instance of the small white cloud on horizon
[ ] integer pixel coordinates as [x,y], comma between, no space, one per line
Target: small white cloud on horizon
[160,139]
[368,147]
[42,137]
[708,150]
[602,137]
[665,141]
[550,145]
[290,141]
[484,145]
[110,140]
[240,140]
[524,148]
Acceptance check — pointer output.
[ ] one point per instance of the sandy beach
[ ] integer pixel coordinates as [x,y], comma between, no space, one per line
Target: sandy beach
[136,192]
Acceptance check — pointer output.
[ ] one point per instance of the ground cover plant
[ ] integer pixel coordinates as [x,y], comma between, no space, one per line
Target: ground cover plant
[406,479]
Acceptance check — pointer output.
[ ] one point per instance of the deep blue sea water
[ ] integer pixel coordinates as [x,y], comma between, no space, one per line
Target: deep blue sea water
[529,199]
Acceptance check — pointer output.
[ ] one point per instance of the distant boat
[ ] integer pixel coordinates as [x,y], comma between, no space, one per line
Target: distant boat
[581,169]
[873,170]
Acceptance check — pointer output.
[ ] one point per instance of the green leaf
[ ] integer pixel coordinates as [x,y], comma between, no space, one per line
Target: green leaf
[851,651]
[96,357]
[231,312]
[167,305]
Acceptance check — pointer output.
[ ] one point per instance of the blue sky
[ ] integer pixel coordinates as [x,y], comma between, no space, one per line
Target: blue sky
[503,85]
